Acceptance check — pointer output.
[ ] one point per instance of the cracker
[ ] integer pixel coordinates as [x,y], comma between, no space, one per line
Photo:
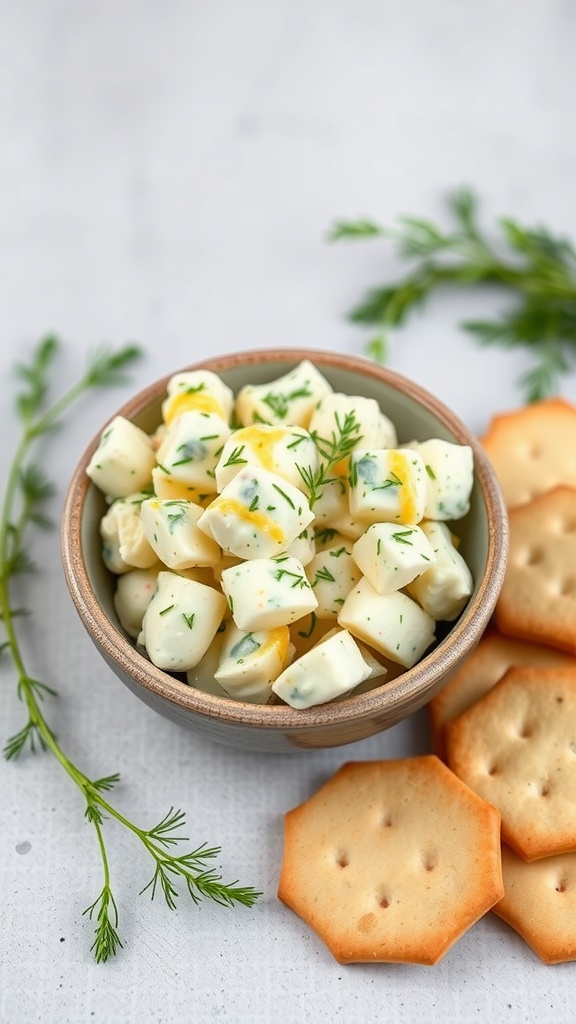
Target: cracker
[538,598]
[539,902]
[391,861]
[516,747]
[479,672]
[533,449]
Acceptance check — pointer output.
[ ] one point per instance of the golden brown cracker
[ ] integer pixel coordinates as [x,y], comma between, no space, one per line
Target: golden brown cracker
[391,861]
[516,747]
[533,449]
[538,597]
[479,672]
[539,902]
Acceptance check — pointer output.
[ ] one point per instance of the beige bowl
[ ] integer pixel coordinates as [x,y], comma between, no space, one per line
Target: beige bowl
[484,535]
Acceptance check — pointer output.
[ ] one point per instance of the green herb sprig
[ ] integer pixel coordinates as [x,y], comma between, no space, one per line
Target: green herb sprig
[279,402]
[26,492]
[534,266]
[332,450]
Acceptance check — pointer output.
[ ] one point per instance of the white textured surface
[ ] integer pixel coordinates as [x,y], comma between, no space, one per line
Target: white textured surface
[168,172]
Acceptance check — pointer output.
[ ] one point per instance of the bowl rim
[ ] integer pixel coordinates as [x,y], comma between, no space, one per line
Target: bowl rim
[417,683]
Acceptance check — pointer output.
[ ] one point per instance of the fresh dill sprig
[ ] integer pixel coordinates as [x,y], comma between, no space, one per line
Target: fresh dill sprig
[300,580]
[332,450]
[235,457]
[279,402]
[536,267]
[323,573]
[25,495]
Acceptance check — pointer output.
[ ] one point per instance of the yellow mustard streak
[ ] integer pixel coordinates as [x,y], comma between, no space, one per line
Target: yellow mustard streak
[259,520]
[262,441]
[341,468]
[188,401]
[278,638]
[174,490]
[400,467]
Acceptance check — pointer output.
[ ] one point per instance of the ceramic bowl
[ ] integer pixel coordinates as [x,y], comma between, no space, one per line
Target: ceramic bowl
[484,537]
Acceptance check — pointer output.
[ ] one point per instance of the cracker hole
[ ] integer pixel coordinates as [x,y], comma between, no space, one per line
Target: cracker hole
[533,451]
[566,587]
[383,901]
[492,769]
[429,860]
[342,859]
[387,820]
[567,526]
[523,497]
[545,789]
[559,700]
[525,732]
[562,885]
[532,556]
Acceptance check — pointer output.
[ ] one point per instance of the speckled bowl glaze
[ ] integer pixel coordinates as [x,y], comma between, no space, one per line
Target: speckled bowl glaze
[484,536]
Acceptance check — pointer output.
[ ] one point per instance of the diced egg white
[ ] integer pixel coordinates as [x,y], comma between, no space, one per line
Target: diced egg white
[122,529]
[387,485]
[264,593]
[450,476]
[336,410]
[393,624]
[282,450]
[332,510]
[391,555]
[258,514]
[200,391]
[377,669]
[288,400]
[445,587]
[180,622]
[201,676]
[332,574]
[172,530]
[331,668]
[191,448]
[250,661]
[303,547]
[134,591]
[170,489]
[123,461]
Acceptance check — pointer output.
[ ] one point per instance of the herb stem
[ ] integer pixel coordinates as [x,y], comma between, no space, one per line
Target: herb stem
[536,267]
[27,487]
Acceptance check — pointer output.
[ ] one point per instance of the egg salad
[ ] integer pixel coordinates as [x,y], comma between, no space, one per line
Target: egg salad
[281,545]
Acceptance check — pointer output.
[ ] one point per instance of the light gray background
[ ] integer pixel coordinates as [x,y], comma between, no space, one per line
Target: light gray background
[168,172]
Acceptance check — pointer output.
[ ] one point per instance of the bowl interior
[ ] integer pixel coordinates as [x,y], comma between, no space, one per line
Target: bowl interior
[417,416]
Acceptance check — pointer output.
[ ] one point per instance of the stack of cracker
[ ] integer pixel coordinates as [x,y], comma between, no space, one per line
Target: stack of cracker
[506,721]
[395,860]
